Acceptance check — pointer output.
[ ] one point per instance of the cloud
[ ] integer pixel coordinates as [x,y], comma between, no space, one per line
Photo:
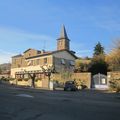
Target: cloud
[110,25]
[5,57]
[17,34]
[12,39]
[106,17]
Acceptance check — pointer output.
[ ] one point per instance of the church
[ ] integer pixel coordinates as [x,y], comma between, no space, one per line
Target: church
[32,61]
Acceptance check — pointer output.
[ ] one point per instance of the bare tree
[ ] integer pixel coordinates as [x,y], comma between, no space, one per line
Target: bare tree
[48,72]
[32,76]
[113,58]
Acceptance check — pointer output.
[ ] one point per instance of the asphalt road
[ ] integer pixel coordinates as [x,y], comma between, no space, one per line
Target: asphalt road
[30,104]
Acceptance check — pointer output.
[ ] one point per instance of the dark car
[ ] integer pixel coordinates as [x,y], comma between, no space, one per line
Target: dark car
[70,86]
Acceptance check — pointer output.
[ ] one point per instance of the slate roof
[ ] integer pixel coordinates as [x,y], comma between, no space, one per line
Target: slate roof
[63,34]
[52,52]
[19,55]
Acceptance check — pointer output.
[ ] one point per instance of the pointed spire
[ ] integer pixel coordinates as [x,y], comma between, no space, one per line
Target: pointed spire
[63,40]
[63,33]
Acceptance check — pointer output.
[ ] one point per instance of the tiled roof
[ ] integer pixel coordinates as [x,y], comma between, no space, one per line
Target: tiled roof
[17,56]
[52,52]
[30,49]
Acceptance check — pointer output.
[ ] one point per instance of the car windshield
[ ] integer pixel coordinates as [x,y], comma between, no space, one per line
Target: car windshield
[70,82]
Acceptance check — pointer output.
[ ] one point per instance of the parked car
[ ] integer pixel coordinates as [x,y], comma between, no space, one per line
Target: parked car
[70,86]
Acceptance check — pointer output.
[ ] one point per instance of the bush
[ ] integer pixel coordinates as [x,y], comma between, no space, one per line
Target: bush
[115,85]
[11,79]
[83,86]
[26,79]
[19,79]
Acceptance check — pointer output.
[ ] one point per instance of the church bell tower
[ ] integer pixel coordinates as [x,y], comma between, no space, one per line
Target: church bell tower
[63,40]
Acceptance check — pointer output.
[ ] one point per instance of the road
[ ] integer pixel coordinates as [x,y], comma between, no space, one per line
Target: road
[31,104]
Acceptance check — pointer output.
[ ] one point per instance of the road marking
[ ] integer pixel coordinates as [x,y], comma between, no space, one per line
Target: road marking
[25,95]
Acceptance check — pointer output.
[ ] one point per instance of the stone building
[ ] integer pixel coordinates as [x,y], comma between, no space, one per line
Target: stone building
[32,61]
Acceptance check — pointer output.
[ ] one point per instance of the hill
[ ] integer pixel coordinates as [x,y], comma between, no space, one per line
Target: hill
[5,67]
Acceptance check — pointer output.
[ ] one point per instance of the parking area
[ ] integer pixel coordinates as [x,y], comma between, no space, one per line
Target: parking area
[34,104]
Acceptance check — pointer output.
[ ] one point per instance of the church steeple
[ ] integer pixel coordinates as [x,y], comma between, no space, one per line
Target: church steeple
[63,33]
[63,40]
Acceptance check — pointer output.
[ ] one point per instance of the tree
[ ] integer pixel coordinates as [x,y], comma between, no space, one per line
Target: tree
[113,58]
[48,72]
[0,70]
[82,65]
[98,63]
[32,76]
[98,49]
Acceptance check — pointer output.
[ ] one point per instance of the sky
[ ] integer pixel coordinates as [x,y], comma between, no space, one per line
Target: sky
[37,24]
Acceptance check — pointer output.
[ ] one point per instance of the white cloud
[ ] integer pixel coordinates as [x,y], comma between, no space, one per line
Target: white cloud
[106,18]
[12,39]
[5,57]
[13,34]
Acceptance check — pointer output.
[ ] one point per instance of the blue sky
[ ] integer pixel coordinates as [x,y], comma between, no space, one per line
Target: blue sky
[36,24]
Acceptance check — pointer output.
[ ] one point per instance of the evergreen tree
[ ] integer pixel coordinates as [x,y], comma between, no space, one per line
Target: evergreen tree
[98,64]
[99,49]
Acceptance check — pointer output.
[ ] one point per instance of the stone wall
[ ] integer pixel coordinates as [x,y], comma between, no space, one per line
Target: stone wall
[115,75]
[38,83]
[83,78]
[80,78]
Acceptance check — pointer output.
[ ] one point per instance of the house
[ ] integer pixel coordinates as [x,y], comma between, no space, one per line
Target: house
[32,61]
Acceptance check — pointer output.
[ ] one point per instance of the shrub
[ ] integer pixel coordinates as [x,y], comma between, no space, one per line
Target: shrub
[19,79]
[26,79]
[115,85]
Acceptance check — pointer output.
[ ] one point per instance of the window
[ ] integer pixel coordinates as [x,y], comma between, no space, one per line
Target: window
[14,61]
[26,76]
[29,54]
[21,60]
[72,63]
[29,63]
[63,61]
[60,43]
[19,65]
[37,61]
[32,62]
[45,60]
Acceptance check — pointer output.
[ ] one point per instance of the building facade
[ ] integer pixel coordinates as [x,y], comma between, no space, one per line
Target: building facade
[32,61]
